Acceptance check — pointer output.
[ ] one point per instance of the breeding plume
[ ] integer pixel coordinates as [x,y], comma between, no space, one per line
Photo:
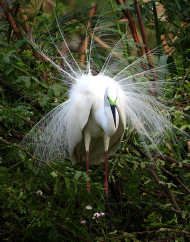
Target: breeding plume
[104,97]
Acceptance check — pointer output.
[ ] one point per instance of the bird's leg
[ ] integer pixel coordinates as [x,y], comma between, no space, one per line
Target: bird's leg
[106,146]
[87,139]
[87,171]
[106,174]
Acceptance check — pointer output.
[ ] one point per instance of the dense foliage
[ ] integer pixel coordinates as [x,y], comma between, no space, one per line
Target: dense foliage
[147,203]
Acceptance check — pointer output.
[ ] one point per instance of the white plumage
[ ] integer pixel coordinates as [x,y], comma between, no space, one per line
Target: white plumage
[94,118]
[87,122]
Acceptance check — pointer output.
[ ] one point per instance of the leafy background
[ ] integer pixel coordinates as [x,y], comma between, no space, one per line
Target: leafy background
[147,203]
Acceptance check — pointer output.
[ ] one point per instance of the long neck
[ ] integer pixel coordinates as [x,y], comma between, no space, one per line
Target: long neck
[108,125]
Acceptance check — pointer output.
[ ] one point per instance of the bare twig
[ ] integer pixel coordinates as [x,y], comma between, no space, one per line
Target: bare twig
[86,40]
[30,155]
[26,27]
[28,100]
[12,133]
[153,194]
[132,27]
[182,82]
[163,231]
[173,161]
[10,19]
[166,189]
[176,178]
[144,37]
[1,14]
[131,235]
[51,3]
[103,44]
[188,146]
[63,227]
[142,29]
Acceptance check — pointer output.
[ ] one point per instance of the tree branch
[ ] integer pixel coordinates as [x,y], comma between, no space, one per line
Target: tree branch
[86,40]
[30,155]
[145,40]
[176,178]
[168,192]
[127,14]
[10,19]
[173,161]
[28,100]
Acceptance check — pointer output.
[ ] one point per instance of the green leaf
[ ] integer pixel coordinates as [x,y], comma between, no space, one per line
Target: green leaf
[54,174]
[24,79]
[187,108]
[77,175]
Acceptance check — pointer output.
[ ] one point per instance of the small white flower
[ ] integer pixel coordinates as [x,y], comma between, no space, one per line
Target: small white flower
[83,222]
[89,207]
[98,215]
[56,100]
[39,193]
[102,214]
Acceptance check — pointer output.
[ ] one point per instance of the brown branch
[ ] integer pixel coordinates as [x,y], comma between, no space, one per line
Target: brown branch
[86,40]
[165,158]
[26,27]
[164,186]
[162,231]
[50,3]
[127,14]
[153,194]
[30,155]
[155,191]
[15,135]
[162,206]
[176,178]
[28,31]
[188,146]
[174,103]
[173,161]
[144,37]
[132,27]
[63,227]
[27,99]
[142,29]
[16,29]
[103,44]
[25,119]
[168,192]
[1,15]
[10,19]
[131,235]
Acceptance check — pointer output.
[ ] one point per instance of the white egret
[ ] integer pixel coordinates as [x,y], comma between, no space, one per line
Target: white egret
[91,123]
[99,103]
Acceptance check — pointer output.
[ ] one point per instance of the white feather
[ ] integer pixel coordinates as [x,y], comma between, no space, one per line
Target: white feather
[61,132]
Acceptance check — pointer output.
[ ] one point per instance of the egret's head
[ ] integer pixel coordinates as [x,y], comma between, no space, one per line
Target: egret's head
[112,99]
